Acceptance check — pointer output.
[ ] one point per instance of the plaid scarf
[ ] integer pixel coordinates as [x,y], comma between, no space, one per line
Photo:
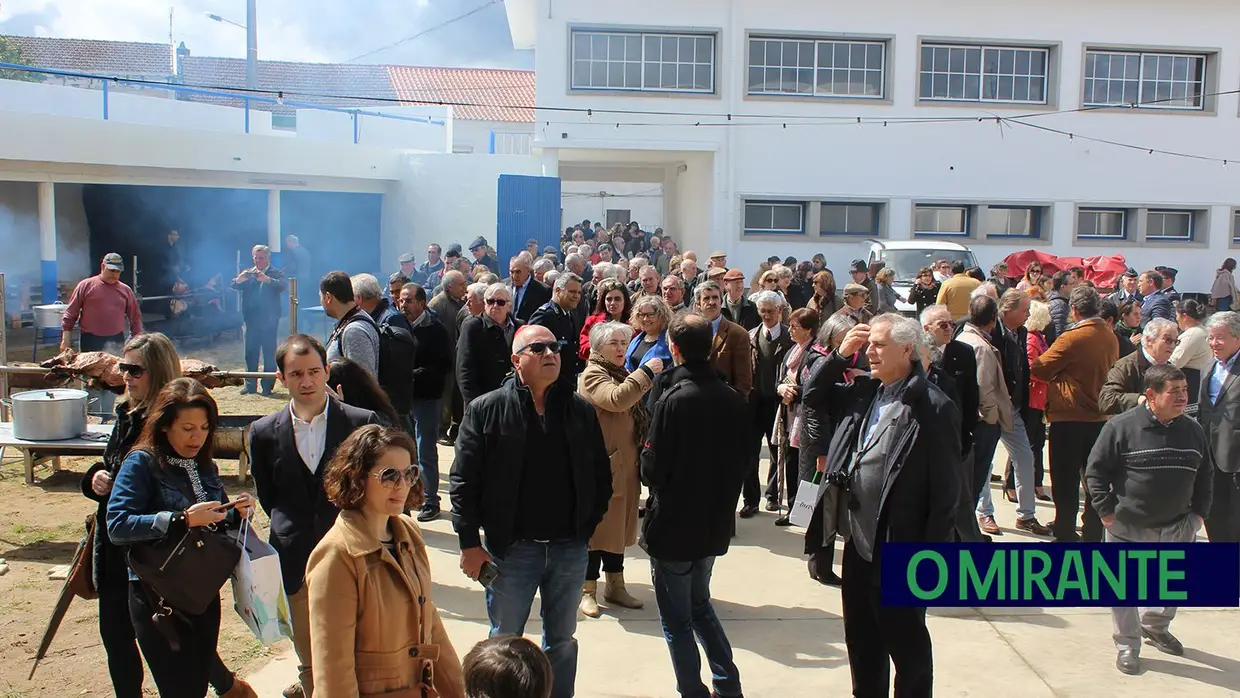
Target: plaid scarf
[638,413]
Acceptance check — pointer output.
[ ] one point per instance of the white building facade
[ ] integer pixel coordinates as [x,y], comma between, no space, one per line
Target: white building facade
[790,127]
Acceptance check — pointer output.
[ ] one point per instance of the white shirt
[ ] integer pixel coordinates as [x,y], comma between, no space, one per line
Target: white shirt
[774,333]
[311,436]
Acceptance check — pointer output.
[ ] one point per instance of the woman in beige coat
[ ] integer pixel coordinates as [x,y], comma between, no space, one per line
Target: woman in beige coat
[617,397]
[374,630]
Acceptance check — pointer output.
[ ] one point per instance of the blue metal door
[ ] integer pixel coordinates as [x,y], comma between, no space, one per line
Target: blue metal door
[528,208]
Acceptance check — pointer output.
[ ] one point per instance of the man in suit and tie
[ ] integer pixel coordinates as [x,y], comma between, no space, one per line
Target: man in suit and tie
[289,453]
[528,295]
[557,316]
[1219,413]
[730,353]
[769,343]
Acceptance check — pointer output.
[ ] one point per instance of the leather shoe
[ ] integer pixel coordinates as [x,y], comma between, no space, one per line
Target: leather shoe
[1164,641]
[1031,525]
[783,521]
[748,511]
[772,505]
[1128,662]
[429,512]
[294,691]
[988,525]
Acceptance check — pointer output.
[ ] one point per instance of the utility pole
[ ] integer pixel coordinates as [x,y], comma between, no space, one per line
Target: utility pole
[251,44]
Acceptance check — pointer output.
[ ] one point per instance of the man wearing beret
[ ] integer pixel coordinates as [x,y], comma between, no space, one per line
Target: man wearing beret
[478,248]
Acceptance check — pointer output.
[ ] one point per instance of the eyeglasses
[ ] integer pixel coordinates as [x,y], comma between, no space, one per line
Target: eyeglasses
[390,477]
[646,316]
[501,302]
[539,348]
[944,324]
[131,370]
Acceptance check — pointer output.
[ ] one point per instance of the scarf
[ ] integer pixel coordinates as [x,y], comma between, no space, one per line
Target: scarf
[637,413]
[190,467]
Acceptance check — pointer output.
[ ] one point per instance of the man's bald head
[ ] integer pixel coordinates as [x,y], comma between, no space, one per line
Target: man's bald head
[528,334]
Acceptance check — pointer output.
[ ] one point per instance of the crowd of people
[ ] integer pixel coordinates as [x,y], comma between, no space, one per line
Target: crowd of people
[575,380]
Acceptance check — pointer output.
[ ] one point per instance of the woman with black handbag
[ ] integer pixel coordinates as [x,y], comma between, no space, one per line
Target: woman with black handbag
[149,361]
[168,505]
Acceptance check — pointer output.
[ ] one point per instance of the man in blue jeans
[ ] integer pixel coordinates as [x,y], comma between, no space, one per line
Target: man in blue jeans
[431,365]
[690,515]
[532,472]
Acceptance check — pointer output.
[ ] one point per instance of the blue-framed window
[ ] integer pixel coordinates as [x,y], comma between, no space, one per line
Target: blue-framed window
[774,218]
[935,220]
[1012,222]
[846,218]
[1102,223]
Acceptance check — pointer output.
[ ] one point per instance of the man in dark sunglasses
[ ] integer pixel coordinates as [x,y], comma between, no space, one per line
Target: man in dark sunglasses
[538,500]
[484,347]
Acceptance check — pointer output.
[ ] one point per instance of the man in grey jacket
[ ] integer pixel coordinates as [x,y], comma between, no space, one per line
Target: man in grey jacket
[356,335]
[1219,406]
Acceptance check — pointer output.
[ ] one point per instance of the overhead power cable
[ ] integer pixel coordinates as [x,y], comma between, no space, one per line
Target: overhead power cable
[424,32]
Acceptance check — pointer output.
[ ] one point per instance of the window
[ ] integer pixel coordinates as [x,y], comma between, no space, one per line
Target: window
[1012,221]
[848,219]
[984,73]
[816,68]
[1235,226]
[940,220]
[1144,80]
[1169,225]
[640,61]
[284,122]
[773,217]
[1101,223]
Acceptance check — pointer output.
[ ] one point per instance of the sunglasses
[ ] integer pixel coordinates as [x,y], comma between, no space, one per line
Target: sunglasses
[390,477]
[944,324]
[539,348]
[501,302]
[131,370]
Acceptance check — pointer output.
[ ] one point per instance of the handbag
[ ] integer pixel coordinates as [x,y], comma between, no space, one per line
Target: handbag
[807,500]
[82,570]
[258,589]
[186,574]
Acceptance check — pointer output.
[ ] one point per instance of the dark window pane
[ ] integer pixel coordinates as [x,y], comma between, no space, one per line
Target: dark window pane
[615,75]
[581,73]
[772,80]
[1091,62]
[927,58]
[973,60]
[1007,61]
[757,53]
[1037,89]
[1103,69]
[861,219]
[615,48]
[598,74]
[1132,66]
[805,81]
[874,84]
[705,51]
[990,60]
[654,48]
[990,87]
[702,79]
[940,86]
[972,85]
[1020,89]
[755,80]
[1085,223]
[788,80]
[671,49]
[927,85]
[774,52]
[955,88]
[924,220]
[652,75]
[1117,91]
[633,75]
[874,56]
[856,56]
[1198,66]
[805,54]
[956,61]
[787,218]
[684,80]
[687,50]
[633,48]
[792,53]
[667,76]
[834,219]
[1037,63]
[598,47]
[581,46]
[757,217]
[950,220]
[1165,64]
[1022,62]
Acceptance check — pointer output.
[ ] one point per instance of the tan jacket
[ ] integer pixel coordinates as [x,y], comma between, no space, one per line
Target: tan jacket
[374,630]
[1076,367]
[612,401]
[730,356]
[995,403]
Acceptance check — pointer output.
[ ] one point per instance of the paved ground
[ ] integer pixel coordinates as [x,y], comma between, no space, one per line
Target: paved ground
[788,635]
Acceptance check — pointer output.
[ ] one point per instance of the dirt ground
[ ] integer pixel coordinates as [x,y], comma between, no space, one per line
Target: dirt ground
[41,529]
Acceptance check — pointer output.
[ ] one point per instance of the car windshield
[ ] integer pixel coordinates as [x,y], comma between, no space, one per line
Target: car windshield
[906,263]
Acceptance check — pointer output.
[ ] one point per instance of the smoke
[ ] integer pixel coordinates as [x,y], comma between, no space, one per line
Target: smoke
[19,234]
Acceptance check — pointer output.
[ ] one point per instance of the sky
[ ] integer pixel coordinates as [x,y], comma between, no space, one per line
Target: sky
[330,31]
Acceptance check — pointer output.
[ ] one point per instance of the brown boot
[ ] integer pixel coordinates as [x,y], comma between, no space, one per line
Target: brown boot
[617,594]
[589,600]
[240,689]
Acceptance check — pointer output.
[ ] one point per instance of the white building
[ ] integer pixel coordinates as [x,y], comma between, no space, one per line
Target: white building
[791,127]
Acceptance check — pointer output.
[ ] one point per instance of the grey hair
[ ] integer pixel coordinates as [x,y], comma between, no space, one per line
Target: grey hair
[543,265]
[1228,320]
[769,297]
[985,289]
[1154,328]
[706,286]
[496,289]
[602,333]
[639,262]
[489,278]
[366,287]
[477,291]
[1085,301]
[782,271]
[904,330]
[574,257]
[451,277]
[661,310]
[925,313]
[260,248]
[523,259]
[562,281]
[1039,316]
[608,270]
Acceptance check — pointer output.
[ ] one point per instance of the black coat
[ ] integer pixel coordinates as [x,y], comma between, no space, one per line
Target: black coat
[1015,357]
[291,495]
[694,484]
[433,361]
[262,303]
[749,317]
[490,455]
[483,357]
[109,559]
[960,364]
[815,413]
[566,329]
[535,296]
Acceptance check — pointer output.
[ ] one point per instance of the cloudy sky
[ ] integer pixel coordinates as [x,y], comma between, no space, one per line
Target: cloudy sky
[333,31]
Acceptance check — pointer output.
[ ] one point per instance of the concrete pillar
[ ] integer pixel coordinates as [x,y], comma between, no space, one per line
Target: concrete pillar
[47,241]
[274,239]
[671,200]
[551,163]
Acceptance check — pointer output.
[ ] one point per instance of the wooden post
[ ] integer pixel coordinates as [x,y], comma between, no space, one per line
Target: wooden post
[292,305]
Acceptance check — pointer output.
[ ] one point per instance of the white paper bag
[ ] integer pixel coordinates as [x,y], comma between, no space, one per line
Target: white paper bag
[258,590]
[803,508]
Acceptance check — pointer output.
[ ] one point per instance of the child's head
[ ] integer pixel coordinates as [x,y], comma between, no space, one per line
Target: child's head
[507,667]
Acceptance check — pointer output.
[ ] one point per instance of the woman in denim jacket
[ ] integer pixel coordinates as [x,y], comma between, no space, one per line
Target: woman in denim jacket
[151,501]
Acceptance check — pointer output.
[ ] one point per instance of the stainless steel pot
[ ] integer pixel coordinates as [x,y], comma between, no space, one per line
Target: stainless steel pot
[48,316]
[49,415]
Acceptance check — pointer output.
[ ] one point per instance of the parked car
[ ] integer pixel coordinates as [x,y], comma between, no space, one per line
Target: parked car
[907,257]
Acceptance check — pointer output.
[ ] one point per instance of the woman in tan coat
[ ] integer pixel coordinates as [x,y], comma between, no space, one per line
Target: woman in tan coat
[617,397]
[374,630]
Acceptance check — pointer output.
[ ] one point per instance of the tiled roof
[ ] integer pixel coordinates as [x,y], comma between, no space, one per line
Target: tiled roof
[292,77]
[494,95]
[113,58]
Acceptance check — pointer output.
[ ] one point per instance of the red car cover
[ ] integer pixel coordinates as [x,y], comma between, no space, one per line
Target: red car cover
[1103,271]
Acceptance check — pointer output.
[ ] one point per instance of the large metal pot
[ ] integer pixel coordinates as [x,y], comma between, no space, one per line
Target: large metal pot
[55,414]
[48,316]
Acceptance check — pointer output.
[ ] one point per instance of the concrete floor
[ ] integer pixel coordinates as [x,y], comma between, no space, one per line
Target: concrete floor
[788,636]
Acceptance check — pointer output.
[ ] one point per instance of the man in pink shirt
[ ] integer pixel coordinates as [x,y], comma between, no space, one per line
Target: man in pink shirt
[100,305]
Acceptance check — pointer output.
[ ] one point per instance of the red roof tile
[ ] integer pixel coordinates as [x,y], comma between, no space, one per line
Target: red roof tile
[111,58]
[493,95]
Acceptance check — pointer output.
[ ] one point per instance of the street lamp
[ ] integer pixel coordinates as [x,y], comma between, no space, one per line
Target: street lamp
[251,44]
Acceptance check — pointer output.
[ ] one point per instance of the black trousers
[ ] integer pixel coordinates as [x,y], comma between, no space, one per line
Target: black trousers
[1036,431]
[115,626]
[260,339]
[762,411]
[875,634]
[1223,523]
[1070,444]
[187,672]
[791,473]
[94,342]
[967,529]
[611,563]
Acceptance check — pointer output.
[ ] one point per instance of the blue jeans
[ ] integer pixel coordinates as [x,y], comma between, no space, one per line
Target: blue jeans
[1016,441]
[425,417]
[682,592]
[557,571]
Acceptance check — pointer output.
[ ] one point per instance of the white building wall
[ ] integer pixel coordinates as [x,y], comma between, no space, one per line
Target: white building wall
[970,162]
[592,200]
[473,136]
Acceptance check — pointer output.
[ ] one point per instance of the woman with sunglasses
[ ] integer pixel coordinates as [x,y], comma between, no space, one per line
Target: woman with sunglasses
[925,290]
[613,305]
[149,362]
[1033,277]
[374,629]
[167,485]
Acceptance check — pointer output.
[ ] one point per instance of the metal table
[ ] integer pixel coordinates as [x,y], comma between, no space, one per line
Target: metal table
[40,452]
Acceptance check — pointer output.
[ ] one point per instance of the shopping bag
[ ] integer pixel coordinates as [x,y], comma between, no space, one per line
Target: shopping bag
[807,498]
[258,590]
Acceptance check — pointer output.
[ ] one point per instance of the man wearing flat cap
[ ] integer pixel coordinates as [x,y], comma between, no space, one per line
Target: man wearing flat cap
[860,272]
[736,307]
[408,264]
[718,260]
[478,248]
[854,312]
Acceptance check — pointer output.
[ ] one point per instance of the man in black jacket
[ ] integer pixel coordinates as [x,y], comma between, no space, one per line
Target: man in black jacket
[736,306]
[484,347]
[528,294]
[261,287]
[693,490]
[895,454]
[532,473]
[431,366]
[557,316]
[289,451]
